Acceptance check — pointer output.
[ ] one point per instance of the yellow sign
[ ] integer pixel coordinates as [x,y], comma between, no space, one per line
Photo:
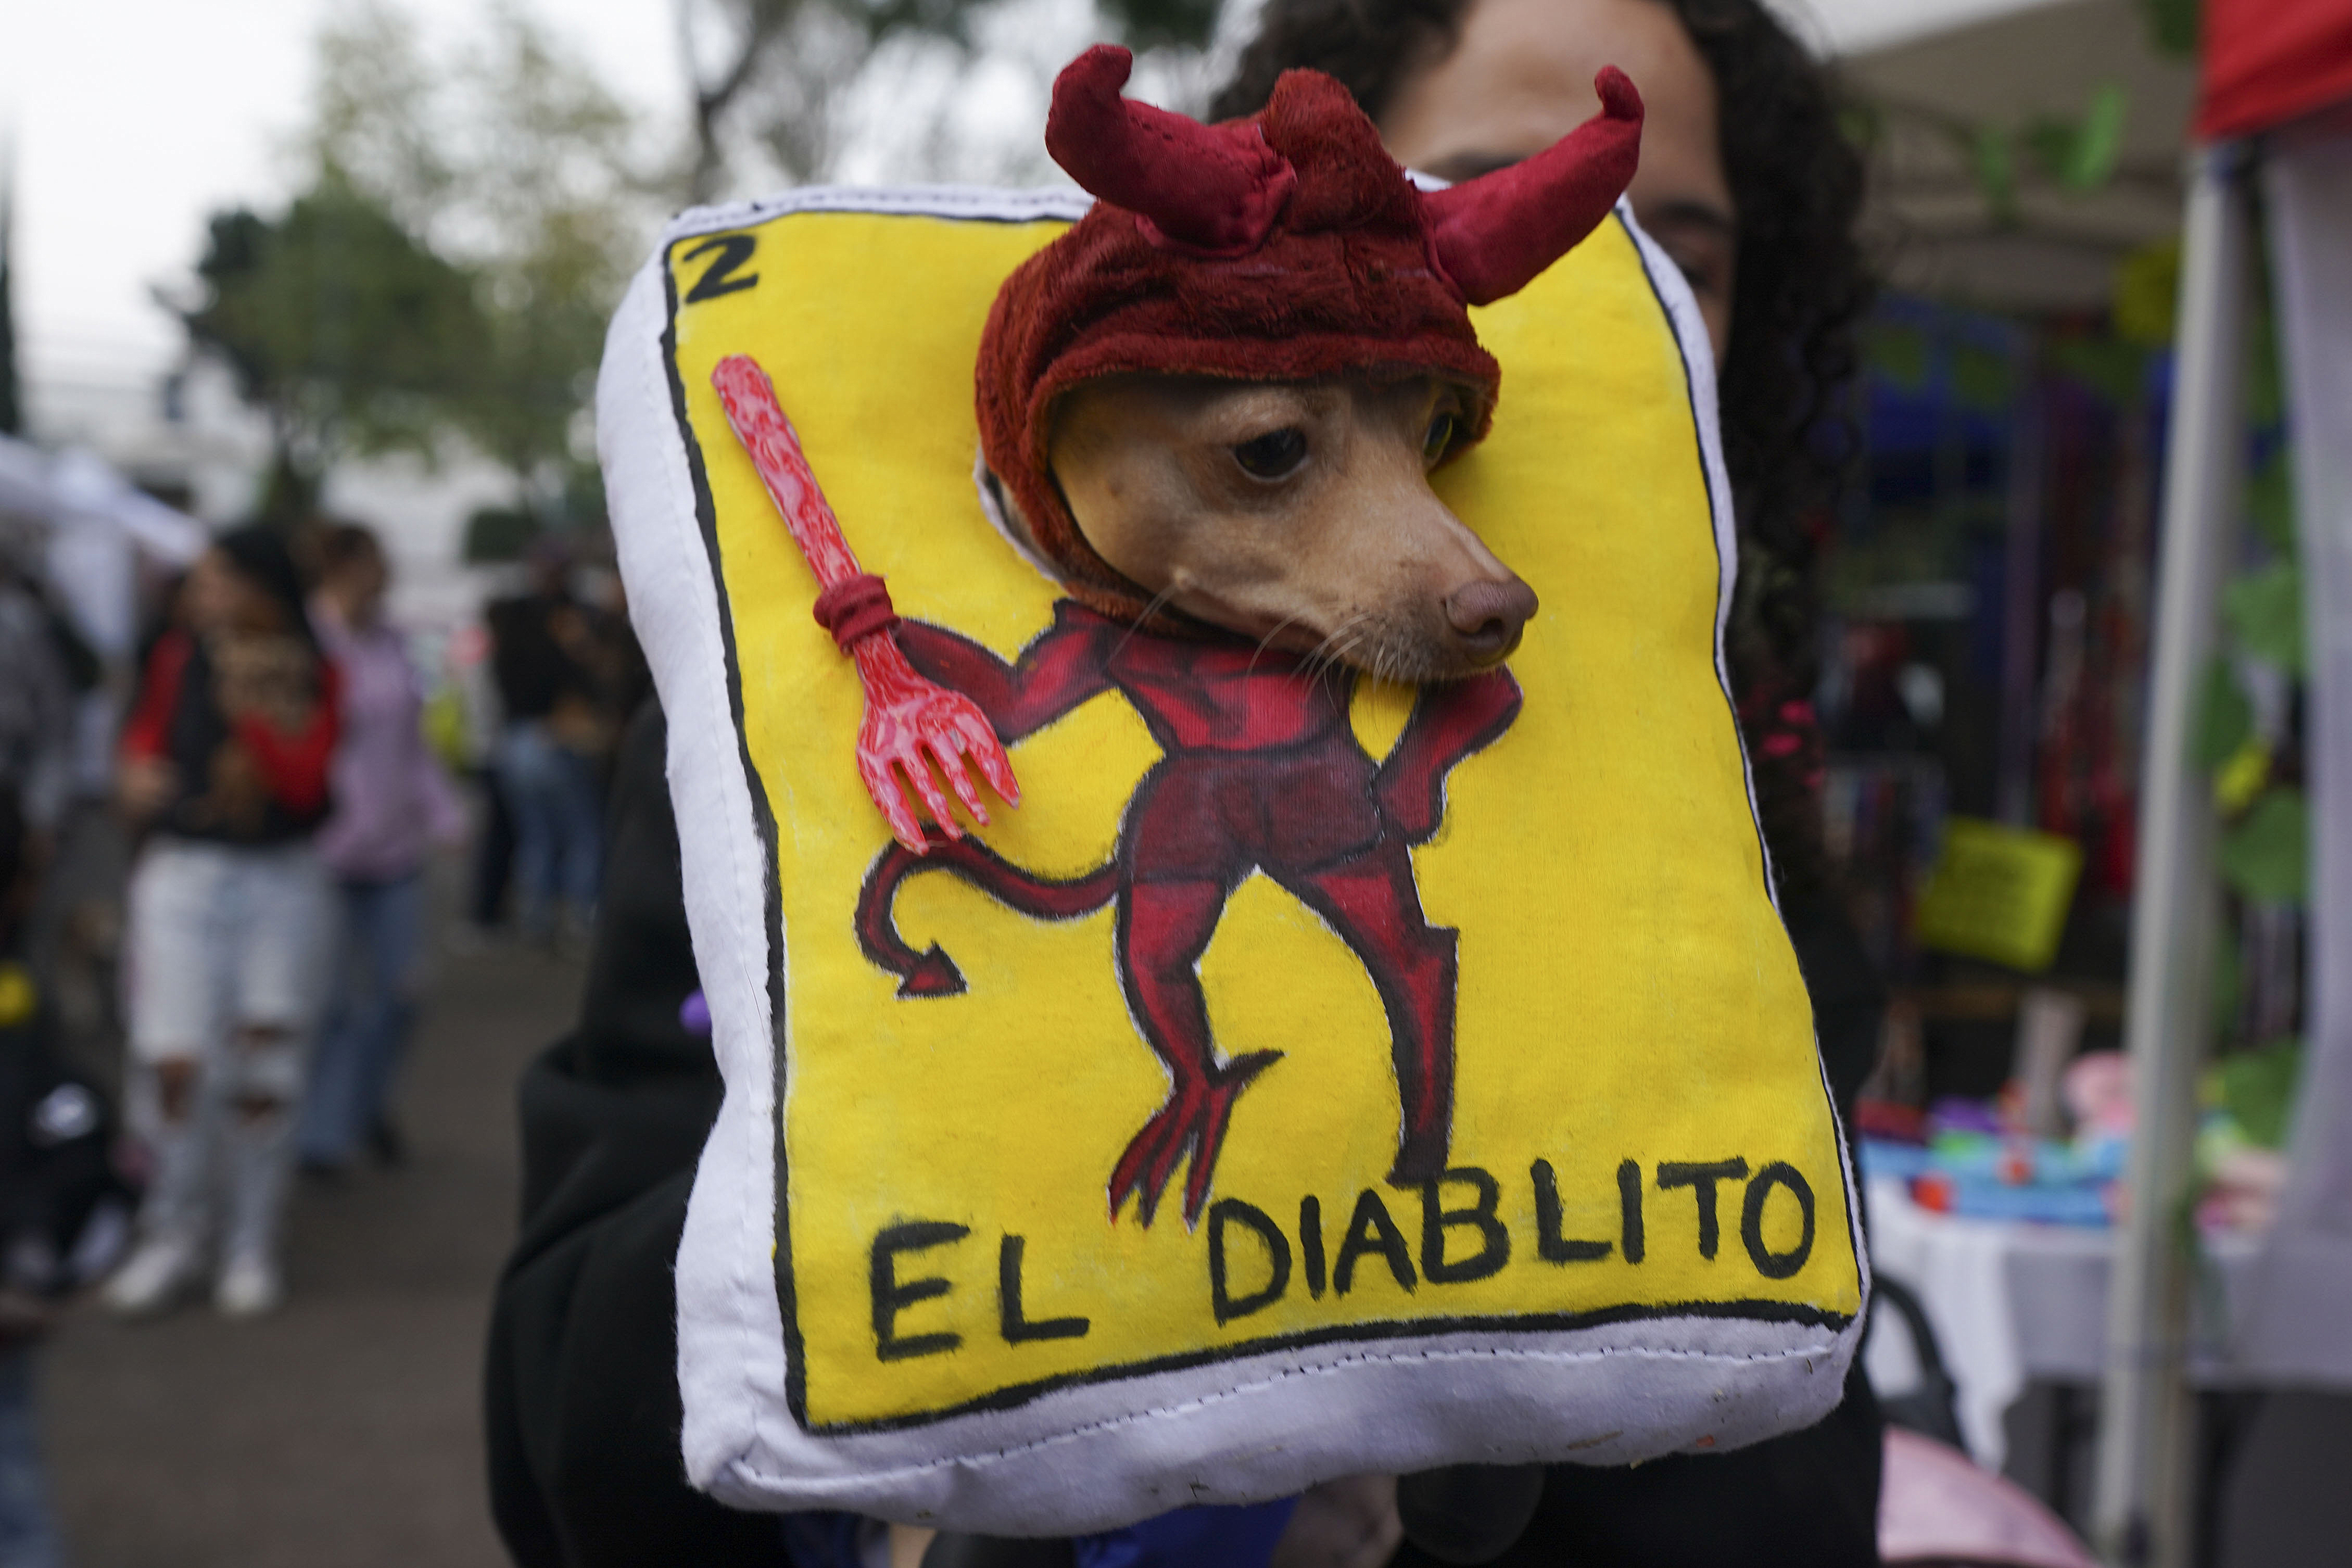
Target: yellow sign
[1032,1134]
[2000,893]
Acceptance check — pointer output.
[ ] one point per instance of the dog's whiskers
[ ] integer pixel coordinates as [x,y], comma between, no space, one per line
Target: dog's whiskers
[1279,627]
[1337,645]
[1151,608]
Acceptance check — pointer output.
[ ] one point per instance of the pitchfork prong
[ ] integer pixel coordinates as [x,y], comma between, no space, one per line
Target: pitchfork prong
[979,743]
[948,751]
[882,787]
[927,789]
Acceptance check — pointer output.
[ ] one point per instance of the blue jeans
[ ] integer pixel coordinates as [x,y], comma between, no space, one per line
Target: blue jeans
[369,1014]
[559,824]
[28,1532]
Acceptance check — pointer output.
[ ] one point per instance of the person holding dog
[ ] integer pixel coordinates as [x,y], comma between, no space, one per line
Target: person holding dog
[1749,186]
[583,1398]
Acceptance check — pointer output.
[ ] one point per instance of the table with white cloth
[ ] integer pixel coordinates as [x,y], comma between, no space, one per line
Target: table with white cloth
[2012,1302]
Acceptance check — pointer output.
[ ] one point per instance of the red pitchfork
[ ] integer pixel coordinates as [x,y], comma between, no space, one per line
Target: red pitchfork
[911,724]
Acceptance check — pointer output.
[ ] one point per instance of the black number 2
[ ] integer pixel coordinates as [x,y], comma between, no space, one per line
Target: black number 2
[734,249]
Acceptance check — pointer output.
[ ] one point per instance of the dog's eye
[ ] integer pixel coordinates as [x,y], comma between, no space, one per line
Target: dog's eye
[1274,454]
[1440,436]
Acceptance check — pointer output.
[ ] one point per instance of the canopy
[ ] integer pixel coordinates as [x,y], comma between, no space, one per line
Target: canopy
[96,522]
[2270,61]
[2002,68]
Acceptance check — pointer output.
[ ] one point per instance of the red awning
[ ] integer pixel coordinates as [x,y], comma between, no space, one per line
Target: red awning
[2268,61]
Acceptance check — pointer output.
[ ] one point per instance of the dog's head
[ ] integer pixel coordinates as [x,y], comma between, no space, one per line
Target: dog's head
[1217,398]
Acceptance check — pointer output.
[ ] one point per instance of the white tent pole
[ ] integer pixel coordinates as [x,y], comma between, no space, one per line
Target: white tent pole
[2143,1503]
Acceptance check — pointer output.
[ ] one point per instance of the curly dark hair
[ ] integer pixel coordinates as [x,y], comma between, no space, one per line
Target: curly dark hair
[1796,185]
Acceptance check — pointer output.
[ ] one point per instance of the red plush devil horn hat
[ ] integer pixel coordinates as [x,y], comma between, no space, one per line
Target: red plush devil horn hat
[1495,233]
[1280,247]
[1189,186]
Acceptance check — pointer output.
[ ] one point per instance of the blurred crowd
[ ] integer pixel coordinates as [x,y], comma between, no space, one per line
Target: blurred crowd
[216,896]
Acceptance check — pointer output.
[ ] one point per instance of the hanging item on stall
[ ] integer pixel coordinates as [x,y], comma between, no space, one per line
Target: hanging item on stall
[2000,893]
[1314,1075]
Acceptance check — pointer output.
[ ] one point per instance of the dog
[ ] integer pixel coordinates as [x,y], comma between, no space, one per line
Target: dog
[1296,514]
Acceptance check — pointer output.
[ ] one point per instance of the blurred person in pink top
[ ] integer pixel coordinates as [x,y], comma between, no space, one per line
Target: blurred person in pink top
[392,803]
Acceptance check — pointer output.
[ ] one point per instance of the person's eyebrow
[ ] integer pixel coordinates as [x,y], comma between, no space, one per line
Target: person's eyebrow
[1693,211]
[1682,211]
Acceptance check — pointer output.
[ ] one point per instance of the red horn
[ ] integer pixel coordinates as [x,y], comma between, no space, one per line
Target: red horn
[1206,191]
[1495,232]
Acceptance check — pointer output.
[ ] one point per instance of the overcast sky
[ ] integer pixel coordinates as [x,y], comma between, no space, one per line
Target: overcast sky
[133,119]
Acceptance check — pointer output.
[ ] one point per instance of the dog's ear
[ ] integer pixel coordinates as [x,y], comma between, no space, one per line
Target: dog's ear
[1495,233]
[1198,189]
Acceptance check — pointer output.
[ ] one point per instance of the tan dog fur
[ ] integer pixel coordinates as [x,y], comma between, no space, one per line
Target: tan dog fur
[1298,514]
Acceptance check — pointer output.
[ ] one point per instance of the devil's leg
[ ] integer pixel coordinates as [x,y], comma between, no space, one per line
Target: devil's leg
[1374,905]
[1164,927]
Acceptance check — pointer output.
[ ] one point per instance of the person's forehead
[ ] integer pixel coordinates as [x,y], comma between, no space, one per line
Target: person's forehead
[1520,77]
[1553,47]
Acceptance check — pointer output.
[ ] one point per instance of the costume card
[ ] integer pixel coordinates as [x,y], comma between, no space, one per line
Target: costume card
[1290,1014]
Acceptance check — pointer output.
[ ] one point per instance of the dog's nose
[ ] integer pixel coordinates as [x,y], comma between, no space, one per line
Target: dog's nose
[1488,616]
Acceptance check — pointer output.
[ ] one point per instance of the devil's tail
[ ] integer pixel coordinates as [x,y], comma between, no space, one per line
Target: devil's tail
[933,974]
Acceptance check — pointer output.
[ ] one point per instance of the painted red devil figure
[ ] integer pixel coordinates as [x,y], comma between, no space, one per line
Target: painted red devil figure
[1211,408]
[1262,771]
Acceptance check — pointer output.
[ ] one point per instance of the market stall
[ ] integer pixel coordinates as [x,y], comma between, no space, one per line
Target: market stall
[2088,703]
[2276,84]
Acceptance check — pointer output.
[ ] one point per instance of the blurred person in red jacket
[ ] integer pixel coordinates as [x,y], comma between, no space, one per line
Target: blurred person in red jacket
[225,764]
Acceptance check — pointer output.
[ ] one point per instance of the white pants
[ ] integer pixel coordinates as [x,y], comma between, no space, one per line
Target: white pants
[228,950]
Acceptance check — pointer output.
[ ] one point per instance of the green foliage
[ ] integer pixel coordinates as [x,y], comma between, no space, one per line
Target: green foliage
[2229,986]
[2172,26]
[499,533]
[337,324]
[2270,503]
[1862,123]
[2257,1089]
[1900,355]
[2225,719]
[772,73]
[1163,24]
[2081,154]
[510,157]
[1994,163]
[2266,856]
[2113,369]
[469,226]
[2264,611]
[2099,143]
[1981,379]
[2077,153]
[2265,375]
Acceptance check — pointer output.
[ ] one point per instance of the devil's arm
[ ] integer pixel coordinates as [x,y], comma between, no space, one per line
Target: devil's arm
[1448,724]
[1063,667]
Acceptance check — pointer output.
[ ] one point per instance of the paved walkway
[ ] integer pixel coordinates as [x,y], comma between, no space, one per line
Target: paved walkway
[345,1431]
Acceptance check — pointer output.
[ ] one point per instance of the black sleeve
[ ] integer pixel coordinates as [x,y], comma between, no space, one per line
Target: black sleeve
[1848,995]
[581,1397]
